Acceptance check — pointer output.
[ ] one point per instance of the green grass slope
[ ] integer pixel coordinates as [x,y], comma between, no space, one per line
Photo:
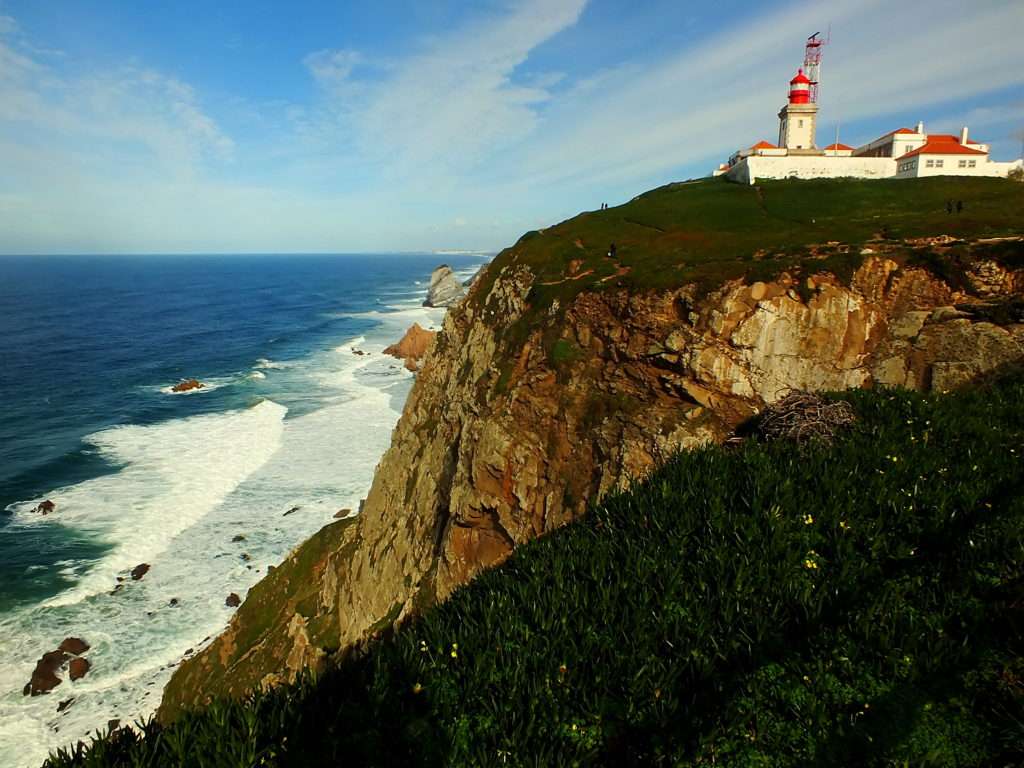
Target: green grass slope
[709,230]
[860,604]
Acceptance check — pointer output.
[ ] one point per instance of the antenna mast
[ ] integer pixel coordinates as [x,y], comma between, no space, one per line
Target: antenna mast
[812,63]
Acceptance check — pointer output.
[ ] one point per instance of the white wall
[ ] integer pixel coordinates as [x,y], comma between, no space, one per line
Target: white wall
[951,166]
[811,167]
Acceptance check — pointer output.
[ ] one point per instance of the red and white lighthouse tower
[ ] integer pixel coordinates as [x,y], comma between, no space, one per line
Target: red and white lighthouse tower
[797,119]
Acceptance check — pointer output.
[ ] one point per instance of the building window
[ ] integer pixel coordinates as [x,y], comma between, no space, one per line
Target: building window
[961,164]
[929,163]
[799,123]
[972,163]
[938,163]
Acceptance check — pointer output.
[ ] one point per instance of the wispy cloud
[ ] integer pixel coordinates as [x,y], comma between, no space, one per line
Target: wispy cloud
[454,100]
[332,68]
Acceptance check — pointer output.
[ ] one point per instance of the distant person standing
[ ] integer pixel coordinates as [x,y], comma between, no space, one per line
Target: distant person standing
[612,251]
[949,206]
[959,205]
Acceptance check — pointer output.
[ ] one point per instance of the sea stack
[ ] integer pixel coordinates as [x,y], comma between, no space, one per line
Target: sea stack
[445,288]
[412,347]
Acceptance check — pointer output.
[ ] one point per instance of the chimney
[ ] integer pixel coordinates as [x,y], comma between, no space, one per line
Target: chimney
[920,126]
[963,135]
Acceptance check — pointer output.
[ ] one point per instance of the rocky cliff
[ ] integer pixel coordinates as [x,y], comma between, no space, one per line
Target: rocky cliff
[543,391]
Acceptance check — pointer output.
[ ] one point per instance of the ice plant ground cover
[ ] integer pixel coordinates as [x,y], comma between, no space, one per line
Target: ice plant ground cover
[768,604]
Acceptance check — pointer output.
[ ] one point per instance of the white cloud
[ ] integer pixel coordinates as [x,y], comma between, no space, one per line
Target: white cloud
[451,103]
[131,116]
[8,26]
[332,68]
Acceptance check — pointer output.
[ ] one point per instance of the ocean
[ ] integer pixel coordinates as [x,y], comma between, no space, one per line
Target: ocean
[291,416]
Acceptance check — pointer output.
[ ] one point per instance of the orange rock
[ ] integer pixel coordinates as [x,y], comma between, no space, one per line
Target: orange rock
[78,668]
[185,385]
[412,347]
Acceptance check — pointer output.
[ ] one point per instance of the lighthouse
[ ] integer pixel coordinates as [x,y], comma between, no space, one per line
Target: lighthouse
[797,118]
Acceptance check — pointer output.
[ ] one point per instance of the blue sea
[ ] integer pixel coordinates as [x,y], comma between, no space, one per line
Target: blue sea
[290,416]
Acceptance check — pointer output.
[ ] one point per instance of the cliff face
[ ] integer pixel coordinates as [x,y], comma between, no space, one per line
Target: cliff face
[520,416]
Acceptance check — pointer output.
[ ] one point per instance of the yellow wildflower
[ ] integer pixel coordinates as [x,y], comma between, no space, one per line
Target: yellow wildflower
[808,519]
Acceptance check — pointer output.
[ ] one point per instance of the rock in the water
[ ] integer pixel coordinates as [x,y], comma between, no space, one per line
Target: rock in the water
[413,346]
[44,676]
[73,645]
[445,288]
[187,385]
[342,513]
[291,511]
[174,602]
[45,507]
[77,668]
[114,724]
[65,704]
[237,537]
[139,571]
[233,601]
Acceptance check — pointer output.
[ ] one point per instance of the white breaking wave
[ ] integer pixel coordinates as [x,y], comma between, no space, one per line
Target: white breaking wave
[171,475]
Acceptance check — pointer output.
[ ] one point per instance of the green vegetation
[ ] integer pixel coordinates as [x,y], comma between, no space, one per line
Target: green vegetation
[855,604]
[710,230]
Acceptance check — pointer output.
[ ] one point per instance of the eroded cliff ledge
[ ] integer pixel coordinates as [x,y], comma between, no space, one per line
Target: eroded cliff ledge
[556,381]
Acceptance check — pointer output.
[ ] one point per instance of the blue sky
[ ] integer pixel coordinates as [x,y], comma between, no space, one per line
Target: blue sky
[262,126]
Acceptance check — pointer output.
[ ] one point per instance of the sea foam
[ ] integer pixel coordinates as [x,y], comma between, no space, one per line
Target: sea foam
[171,474]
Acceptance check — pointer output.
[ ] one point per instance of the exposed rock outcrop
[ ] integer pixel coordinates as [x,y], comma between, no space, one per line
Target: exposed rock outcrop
[73,645]
[520,416]
[45,507]
[139,571]
[78,668]
[187,385]
[232,600]
[445,288]
[412,347]
[45,678]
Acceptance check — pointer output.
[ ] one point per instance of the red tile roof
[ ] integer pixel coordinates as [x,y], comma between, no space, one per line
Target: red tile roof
[764,145]
[903,130]
[837,145]
[943,145]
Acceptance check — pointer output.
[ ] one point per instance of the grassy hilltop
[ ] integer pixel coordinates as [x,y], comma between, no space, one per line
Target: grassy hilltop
[710,230]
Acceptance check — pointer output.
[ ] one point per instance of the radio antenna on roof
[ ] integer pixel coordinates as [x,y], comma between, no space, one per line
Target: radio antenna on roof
[812,61]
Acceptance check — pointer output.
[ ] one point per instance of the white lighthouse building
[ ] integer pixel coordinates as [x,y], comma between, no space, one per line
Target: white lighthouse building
[902,153]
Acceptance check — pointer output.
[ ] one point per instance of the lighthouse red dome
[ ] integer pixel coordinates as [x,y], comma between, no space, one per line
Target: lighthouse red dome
[800,89]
